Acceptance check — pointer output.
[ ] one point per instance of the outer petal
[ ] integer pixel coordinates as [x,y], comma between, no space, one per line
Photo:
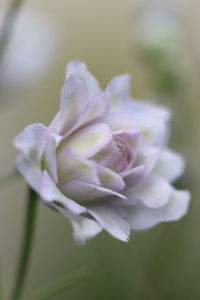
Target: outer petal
[71,167]
[83,228]
[119,90]
[74,98]
[142,217]
[170,165]
[139,106]
[30,171]
[82,191]
[153,192]
[97,108]
[32,141]
[88,140]
[151,121]
[122,121]
[111,220]
[154,130]
[36,142]
[51,195]
[80,70]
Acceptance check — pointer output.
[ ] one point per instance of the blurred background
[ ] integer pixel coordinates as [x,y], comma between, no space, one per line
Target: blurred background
[158,43]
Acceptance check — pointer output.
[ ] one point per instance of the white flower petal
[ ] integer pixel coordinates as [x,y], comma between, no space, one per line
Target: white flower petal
[80,70]
[74,99]
[119,90]
[83,228]
[83,191]
[51,194]
[89,140]
[111,220]
[71,167]
[32,140]
[153,192]
[141,217]
[170,165]
[110,179]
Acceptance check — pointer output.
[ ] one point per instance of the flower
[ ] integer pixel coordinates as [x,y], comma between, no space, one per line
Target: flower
[25,60]
[103,161]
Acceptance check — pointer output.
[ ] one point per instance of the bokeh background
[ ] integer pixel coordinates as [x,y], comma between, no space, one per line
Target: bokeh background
[158,43]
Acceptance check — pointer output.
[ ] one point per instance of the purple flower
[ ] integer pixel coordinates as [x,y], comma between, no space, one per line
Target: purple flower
[103,161]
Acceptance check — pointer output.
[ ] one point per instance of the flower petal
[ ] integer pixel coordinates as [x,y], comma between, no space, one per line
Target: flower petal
[38,145]
[30,171]
[110,179]
[111,220]
[74,98]
[83,191]
[83,228]
[97,108]
[170,165]
[51,195]
[122,121]
[146,160]
[158,111]
[71,167]
[80,70]
[119,90]
[89,140]
[147,156]
[31,141]
[153,192]
[133,176]
[142,217]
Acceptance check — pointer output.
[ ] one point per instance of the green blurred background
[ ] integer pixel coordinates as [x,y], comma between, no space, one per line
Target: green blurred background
[161,263]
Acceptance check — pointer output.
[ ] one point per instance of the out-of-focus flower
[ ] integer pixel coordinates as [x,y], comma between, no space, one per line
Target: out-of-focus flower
[103,162]
[30,51]
[160,39]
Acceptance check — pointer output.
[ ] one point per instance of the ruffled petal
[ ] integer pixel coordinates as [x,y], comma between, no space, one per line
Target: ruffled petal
[38,145]
[111,220]
[97,108]
[74,99]
[83,228]
[170,165]
[110,179]
[51,195]
[150,120]
[152,192]
[89,140]
[79,69]
[119,90]
[30,171]
[71,167]
[82,191]
[141,217]
[122,121]
[32,141]
[146,160]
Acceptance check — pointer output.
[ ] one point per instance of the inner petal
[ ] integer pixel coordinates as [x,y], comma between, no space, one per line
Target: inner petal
[119,154]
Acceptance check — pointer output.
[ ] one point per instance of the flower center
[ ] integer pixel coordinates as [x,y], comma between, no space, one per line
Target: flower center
[115,156]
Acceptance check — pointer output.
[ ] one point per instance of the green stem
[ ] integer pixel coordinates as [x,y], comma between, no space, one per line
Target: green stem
[8,25]
[26,244]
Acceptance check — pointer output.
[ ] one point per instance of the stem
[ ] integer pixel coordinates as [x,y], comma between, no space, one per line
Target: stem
[26,244]
[8,25]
